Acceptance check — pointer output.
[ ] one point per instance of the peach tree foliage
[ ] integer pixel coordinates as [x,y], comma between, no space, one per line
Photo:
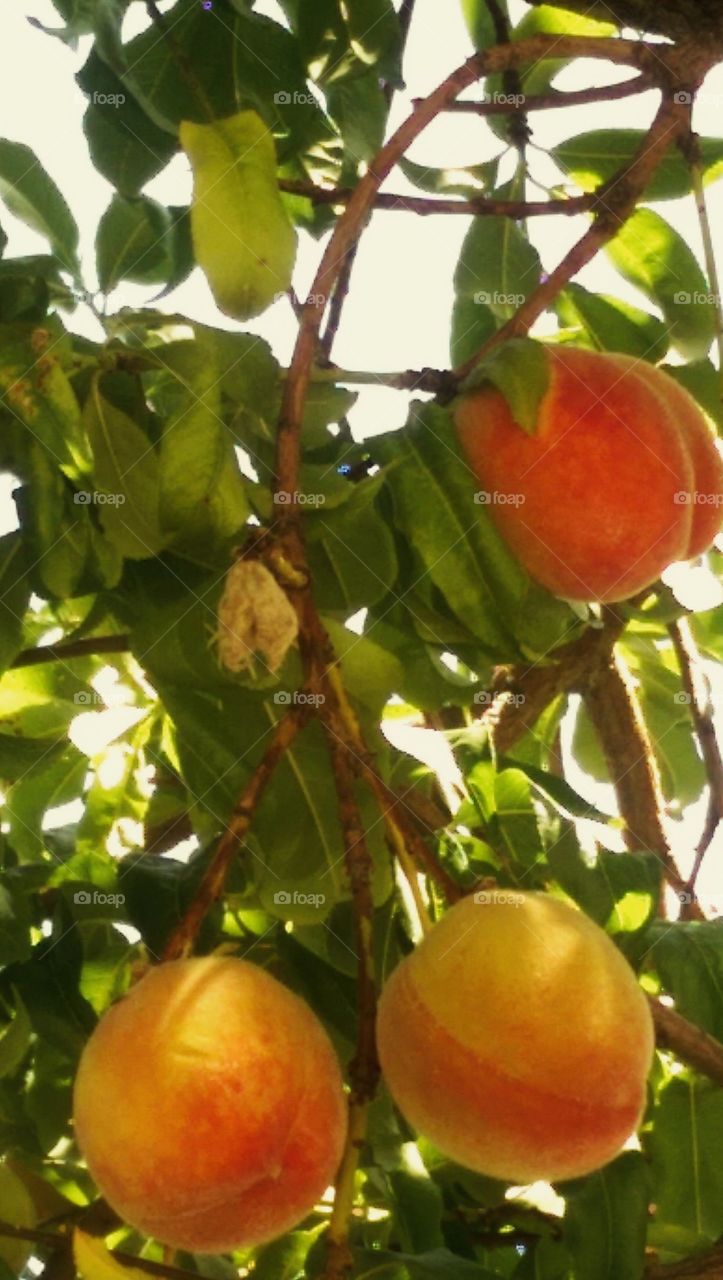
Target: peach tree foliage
[134,454]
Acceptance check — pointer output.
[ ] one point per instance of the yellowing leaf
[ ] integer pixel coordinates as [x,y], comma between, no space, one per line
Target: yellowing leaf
[242,237]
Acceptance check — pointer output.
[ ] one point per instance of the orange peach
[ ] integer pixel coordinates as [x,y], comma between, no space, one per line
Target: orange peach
[516,1038]
[621,477]
[209,1106]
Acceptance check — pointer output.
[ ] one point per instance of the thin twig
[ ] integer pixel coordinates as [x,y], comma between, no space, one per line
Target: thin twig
[425,206]
[63,652]
[210,889]
[556,98]
[704,725]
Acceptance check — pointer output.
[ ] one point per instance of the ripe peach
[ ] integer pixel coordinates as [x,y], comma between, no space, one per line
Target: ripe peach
[621,477]
[516,1038]
[209,1106]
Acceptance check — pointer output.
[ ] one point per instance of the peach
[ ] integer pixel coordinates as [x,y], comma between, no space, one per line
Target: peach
[209,1106]
[516,1038]
[621,477]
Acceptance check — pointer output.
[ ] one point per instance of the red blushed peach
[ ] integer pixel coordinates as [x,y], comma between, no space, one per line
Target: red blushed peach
[621,477]
[209,1106]
[516,1038]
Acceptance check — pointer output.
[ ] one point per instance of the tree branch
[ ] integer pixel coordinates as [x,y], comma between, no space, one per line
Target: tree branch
[613,708]
[689,1043]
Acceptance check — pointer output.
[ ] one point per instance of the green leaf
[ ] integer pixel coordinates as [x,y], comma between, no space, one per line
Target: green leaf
[689,961]
[15,1041]
[702,380]
[125,145]
[684,1145]
[605,1221]
[15,921]
[651,255]
[131,242]
[30,193]
[371,673]
[38,391]
[612,325]
[480,23]
[202,496]
[14,596]
[592,158]
[470,181]
[521,371]
[497,270]
[126,475]
[516,817]
[457,547]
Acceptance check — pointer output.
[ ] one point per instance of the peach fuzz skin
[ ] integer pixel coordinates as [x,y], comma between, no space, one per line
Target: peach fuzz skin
[616,441]
[516,1038]
[209,1106]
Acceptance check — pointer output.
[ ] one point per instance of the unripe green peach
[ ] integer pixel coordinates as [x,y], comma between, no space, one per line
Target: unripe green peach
[209,1106]
[620,478]
[516,1038]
